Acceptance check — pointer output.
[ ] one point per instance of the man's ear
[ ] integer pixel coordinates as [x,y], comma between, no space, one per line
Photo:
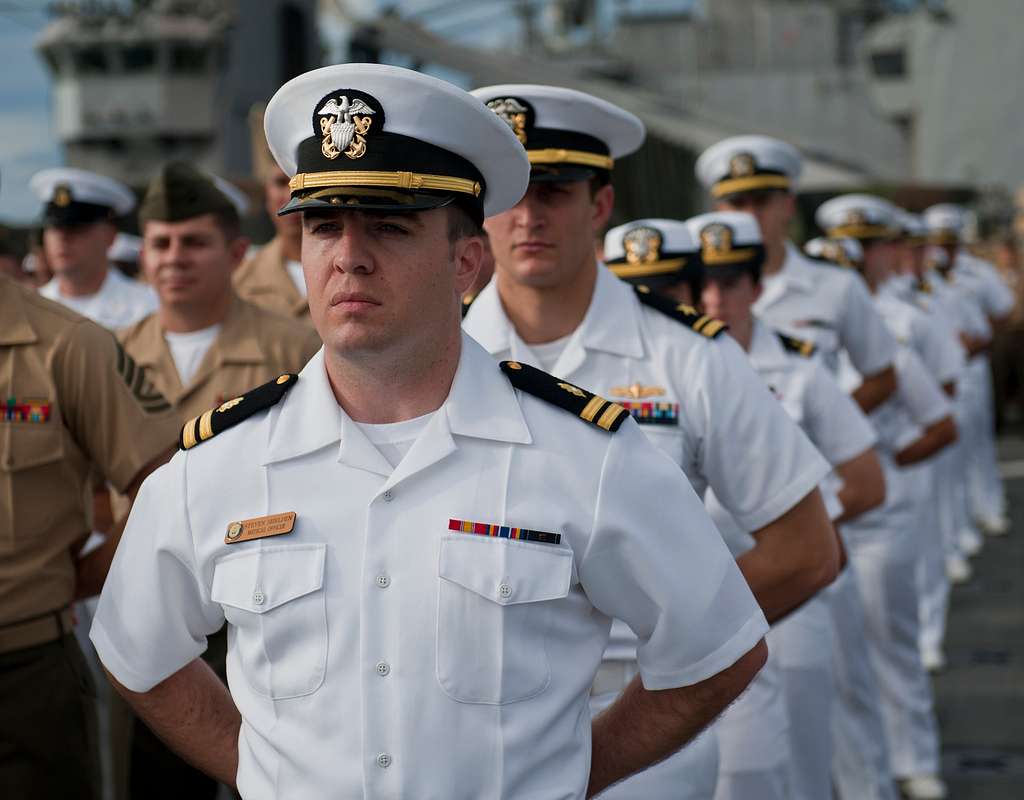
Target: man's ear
[238,248]
[603,203]
[468,254]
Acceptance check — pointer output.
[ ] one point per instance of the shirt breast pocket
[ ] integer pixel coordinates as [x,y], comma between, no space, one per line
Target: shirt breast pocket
[494,604]
[273,597]
[31,465]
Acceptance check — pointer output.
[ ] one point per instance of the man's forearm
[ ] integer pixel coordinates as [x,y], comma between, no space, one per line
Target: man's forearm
[935,438]
[193,713]
[643,727]
[875,390]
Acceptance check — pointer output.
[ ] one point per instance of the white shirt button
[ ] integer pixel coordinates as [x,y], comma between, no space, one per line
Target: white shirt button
[258,598]
[383,581]
[388,496]
[383,669]
[383,761]
[504,591]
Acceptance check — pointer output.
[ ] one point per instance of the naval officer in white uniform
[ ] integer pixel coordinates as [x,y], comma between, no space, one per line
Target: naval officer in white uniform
[418,551]
[885,545]
[686,383]
[759,175]
[79,210]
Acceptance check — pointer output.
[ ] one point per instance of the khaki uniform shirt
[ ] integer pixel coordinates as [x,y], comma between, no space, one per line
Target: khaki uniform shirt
[71,400]
[264,281]
[253,347]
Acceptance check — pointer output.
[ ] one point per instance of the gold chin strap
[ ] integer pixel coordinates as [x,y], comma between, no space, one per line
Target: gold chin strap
[665,267]
[556,155]
[749,184]
[388,180]
[863,231]
[728,256]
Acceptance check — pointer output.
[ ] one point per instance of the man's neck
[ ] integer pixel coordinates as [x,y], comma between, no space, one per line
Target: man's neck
[743,332]
[382,388]
[774,257]
[541,315]
[82,283]
[189,318]
[291,247]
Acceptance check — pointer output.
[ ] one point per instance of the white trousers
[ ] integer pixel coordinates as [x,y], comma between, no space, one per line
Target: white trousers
[984,483]
[803,642]
[860,760]
[690,774]
[753,740]
[932,580]
[884,550]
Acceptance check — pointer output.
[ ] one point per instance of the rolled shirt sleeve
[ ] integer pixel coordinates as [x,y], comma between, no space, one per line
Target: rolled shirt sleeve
[753,455]
[154,613]
[656,561]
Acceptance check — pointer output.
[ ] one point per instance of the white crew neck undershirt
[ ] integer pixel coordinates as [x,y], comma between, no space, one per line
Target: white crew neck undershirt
[294,269]
[189,349]
[549,352]
[395,439]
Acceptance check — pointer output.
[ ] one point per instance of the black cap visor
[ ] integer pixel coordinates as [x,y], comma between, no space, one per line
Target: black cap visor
[366,199]
[74,214]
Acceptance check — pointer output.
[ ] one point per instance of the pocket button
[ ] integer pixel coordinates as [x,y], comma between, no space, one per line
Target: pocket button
[383,669]
[259,598]
[383,761]
[504,591]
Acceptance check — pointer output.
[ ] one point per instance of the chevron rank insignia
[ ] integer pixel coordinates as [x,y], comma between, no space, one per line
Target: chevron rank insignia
[799,346]
[589,407]
[229,414]
[688,315]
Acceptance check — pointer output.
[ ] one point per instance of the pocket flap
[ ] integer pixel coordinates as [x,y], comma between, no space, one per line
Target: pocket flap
[32,445]
[260,580]
[506,571]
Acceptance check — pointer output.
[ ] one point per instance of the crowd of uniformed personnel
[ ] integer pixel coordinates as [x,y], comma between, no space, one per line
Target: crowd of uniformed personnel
[425,499]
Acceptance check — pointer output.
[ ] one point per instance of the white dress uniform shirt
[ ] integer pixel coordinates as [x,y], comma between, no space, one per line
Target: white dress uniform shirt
[724,414]
[800,645]
[941,353]
[120,301]
[995,296]
[829,306]
[376,653]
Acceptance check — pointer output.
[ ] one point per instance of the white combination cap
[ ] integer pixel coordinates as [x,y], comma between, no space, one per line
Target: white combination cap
[658,251]
[839,250]
[727,239]
[372,136]
[126,247]
[568,135]
[748,164]
[72,196]
[945,223]
[858,216]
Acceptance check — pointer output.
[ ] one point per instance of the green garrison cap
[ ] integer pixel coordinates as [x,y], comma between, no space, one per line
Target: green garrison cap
[180,191]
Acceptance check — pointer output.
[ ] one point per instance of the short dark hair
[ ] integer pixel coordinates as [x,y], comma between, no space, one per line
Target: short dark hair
[228,222]
[461,224]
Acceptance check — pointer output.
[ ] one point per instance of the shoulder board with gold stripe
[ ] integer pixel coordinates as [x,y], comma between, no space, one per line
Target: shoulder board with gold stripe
[688,315]
[799,346]
[467,301]
[587,406]
[229,414]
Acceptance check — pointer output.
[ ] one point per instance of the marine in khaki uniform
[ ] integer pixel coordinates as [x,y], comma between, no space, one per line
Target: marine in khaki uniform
[272,278]
[202,348]
[72,401]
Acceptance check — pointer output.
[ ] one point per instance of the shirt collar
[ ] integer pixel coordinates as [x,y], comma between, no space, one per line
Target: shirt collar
[611,324]
[481,403]
[796,272]
[766,349]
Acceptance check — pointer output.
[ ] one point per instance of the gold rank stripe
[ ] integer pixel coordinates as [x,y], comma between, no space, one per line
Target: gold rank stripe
[708,326]
[610,415]
[728,257]
[863,231]
[188,434]
[749,184]
[591,408]
[558,155]
[390,180]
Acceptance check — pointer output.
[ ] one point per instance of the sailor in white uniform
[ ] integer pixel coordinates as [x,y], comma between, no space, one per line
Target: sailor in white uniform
[986,496]
[79,210]
[418,551]
[759,175]
[884,545]
[686,383]
[801,644]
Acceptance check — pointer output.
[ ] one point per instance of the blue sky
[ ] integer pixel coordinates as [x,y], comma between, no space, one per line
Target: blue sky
[27,139]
